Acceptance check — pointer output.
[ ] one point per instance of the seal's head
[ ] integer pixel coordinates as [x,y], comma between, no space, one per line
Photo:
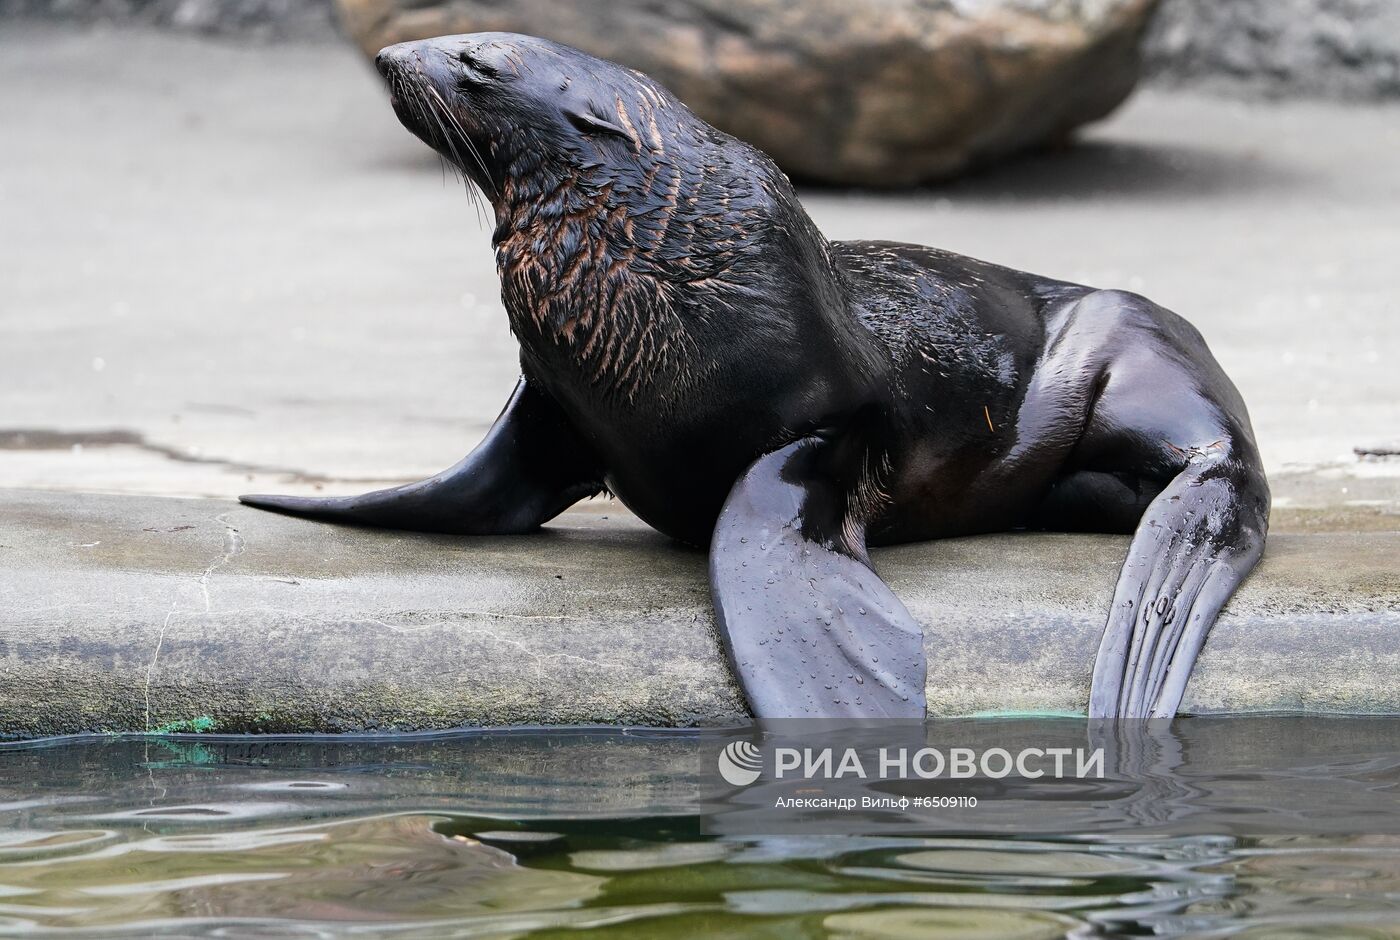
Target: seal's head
[617,209]
[507,108]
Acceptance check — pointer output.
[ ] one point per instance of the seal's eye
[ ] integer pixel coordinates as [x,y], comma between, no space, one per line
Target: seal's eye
[475,68]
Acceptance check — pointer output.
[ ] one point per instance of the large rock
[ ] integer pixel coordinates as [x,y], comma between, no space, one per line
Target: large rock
[876,93]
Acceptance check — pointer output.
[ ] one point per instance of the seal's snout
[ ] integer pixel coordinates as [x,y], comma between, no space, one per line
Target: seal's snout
[403,58]
[393,58]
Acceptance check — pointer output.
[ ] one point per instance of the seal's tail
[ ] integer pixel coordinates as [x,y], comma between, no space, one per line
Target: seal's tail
[531,466]
[1196,542]
[431,505]
[480,495]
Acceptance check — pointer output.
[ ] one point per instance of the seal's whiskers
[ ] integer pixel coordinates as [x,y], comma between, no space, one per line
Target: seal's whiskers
[466,140]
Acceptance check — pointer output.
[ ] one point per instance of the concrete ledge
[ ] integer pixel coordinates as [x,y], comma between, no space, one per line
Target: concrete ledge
[125,613]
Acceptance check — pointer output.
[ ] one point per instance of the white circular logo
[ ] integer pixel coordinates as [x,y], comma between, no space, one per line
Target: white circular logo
[740,763]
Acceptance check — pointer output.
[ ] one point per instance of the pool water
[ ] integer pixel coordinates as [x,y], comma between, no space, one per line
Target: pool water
[1213,827]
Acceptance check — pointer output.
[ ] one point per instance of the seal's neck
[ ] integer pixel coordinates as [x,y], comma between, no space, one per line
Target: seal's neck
[581,280]
[614,269]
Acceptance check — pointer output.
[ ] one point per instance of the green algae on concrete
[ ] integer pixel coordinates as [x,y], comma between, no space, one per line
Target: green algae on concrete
[192,726]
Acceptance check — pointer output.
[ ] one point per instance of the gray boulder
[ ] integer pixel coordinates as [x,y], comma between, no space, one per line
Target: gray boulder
[872,93]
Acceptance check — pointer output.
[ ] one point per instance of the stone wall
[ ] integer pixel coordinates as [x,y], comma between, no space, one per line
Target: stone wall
[1333,48]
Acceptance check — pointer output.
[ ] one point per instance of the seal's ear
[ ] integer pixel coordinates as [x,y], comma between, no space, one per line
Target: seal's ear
[590,123]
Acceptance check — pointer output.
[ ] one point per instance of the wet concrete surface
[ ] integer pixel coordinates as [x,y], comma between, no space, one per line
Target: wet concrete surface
[128,613]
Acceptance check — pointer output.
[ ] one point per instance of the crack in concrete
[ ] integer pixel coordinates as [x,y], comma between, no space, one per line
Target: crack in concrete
[233,547]
[155,658]
[49,439]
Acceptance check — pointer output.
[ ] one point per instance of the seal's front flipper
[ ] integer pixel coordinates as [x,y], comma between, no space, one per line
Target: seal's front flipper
[1197,541]
[810,629]
[531,466]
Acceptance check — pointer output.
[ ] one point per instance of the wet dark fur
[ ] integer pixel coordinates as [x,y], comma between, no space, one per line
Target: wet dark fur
[677,305]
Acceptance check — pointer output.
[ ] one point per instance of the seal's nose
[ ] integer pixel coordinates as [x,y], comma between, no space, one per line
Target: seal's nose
[397,57]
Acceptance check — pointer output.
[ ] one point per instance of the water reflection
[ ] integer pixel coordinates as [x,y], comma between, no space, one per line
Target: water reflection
[1211,828]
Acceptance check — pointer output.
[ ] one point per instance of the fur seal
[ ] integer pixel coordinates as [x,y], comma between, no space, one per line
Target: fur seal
[691,342]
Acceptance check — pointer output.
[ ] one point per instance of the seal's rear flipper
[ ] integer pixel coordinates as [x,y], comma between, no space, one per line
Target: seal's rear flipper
[1197,541]
[531,466]
[810,629]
